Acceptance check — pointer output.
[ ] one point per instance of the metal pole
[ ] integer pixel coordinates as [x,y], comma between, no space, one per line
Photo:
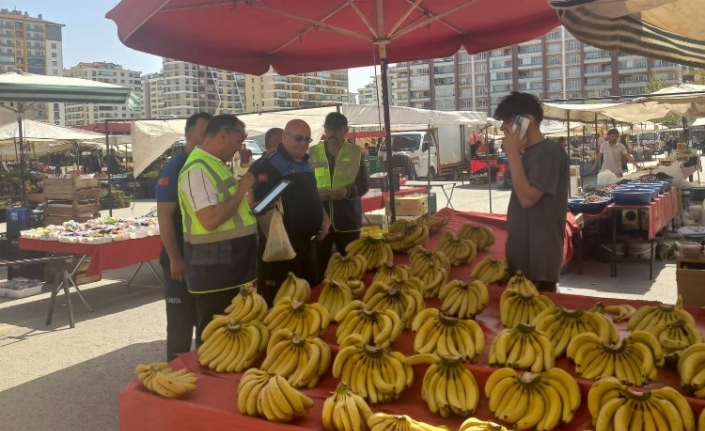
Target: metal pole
[580,168]
[388,131]
[110,175]
[22,194]
[489,170]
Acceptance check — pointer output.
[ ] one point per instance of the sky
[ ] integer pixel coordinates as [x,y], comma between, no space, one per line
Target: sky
[89,36]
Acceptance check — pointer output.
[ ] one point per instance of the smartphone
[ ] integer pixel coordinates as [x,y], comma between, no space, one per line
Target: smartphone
[271,197]
[523,124]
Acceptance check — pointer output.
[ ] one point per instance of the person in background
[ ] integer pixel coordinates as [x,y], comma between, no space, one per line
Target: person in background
[613,155]
[341,178]
[93,164]
[220,232]
[474,148]
[272,139]
[305,219]
[113,162]
[181,317]
[563,143]
[536,213]
[245,157]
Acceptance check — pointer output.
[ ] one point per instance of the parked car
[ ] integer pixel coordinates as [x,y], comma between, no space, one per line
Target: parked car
[256,148]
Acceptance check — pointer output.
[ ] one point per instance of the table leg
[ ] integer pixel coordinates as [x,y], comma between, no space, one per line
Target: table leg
[67,280]
[67,294]
[154,271]
[580,251]
[652,257]
[613,269]
[52,301]
[450,198]
[80,295]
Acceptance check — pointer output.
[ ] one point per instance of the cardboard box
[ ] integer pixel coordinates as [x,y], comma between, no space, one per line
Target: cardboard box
[411,205]
[575,171]
[690,277]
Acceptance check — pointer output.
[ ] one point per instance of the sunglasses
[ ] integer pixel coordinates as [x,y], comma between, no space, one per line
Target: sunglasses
[300,138]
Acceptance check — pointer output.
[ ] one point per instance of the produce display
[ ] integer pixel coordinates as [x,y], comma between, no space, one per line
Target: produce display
[294,288]
[675,337]
[161,379]
[380,328]
[652,315]
[691,368]
[433,223]
[516,307]
[490,271]
[334,296]
[302,361]
[305,320]
[406,303]
[447,336]
[459,251]
[231,347]
[385,422]
[464,300]
[432,267]
[96,231]
[448,387]
[345,410]
[375,251]
[270,396]
[343,268]
[247,305]
[390,270]
[522,347]
[475,424]
[481,236]
[521,284]
[620,312]
[404,235]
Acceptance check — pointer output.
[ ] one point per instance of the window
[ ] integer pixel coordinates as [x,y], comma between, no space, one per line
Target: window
[554,48]
[554,73]
[555,86]
[53,46]
[53,55]
[573,46]
[54,63]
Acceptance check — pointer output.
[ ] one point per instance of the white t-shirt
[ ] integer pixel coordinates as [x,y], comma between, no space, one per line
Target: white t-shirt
[612,157]
[199,191]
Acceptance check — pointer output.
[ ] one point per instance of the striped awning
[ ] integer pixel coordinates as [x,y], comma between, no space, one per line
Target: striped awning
[664,29]
[24,87]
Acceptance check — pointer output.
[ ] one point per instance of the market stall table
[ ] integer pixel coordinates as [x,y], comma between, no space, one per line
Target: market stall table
[213,405]
[442,185]
[112,255]
[375,199]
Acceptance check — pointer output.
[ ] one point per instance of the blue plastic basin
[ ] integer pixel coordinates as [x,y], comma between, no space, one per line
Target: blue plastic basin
[633,196]
[578,206]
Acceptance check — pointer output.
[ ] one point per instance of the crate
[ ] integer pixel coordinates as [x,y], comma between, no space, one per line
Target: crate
[411,205]
[71,210]
[697,194]
[35,198]
[690,278]
[374,164]
[432,204]
[59,219]
[379,181]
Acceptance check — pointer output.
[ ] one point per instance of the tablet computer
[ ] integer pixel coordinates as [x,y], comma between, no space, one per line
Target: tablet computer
[263,205]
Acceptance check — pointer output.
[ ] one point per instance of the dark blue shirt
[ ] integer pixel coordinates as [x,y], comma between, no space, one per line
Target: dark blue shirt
[167,190]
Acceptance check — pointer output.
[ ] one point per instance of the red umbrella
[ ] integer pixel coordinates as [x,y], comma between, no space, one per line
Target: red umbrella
[296,36]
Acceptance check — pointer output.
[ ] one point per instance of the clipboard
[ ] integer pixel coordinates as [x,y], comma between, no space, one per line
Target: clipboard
[269,200]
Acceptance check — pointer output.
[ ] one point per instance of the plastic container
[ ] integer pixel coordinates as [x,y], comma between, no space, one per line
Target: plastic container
[639,249]
[633,196]
[688,248]
[17,220]
[579,206]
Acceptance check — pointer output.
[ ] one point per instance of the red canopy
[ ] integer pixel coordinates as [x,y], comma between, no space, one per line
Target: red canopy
[298,36]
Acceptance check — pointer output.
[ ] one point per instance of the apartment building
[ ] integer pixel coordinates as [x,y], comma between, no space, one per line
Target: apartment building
[34,46]
[109,73]
[182,89]
[554,67]
[371,93]
[272,91]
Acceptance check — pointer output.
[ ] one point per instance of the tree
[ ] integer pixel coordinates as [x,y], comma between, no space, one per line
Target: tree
[656,83]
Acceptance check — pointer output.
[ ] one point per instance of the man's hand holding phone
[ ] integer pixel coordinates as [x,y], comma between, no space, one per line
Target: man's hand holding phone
[513,141]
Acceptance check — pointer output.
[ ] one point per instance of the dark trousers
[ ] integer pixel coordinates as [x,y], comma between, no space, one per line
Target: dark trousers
[546,286]
[210,304]
[324,249]
[180,315]
[271,275]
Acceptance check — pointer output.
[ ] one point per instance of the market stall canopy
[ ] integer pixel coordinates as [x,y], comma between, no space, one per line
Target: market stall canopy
[38,131]
[683,100]
[33,149]
[699,122]
[664,29]
[583,112]
[150,138]
[304,36]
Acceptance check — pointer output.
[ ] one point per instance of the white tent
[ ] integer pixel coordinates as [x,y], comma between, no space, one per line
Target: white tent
[583,112]
[150,138]
[40,139]
[684,100]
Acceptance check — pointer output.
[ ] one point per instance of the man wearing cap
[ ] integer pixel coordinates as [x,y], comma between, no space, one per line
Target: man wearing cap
[341,179]
[220,232]
[613,155]
[305,220]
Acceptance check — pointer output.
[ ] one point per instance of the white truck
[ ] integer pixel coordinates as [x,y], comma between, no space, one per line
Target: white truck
[431,152]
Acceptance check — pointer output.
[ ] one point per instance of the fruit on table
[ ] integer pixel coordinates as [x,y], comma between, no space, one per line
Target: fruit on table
[516,307]
[620,312]
[675,337]
[490,271]
[270,396]
[357,287]
[161,379]
[539,401]
[334,296]
[691,369]
[305,320]
[230,346]
[433,223]
[403,235]
[614,406]
[405,302]
[432,267]
[521,284]
[344,268]
[632,360]
[295,288]
[464,300]
[459,251]
[447,336]
[345,411]
[482,236]
[522,347]
[375,251]
[652,315]
[302,361]
[389,270]
[247,305]
[387,422]
[380,328]
[377,374]
[475,424]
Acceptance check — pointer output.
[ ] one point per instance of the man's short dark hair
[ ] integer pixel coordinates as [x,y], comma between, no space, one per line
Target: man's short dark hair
[192,120]
[517,103]
[221,122]
[613,132]
[270,135]
[335,121]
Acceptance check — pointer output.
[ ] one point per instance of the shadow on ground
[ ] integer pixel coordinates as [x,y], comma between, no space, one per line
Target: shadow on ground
[82,396]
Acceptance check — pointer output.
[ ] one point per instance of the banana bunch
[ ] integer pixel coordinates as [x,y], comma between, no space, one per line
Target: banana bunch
[562,325]
[270,396]
[522,347]
[357,287]
[516,307]
[409,237]
[616,407]
[375,251]
[675,337]
[490,271]
[405,302]
[343,268]
[475,424]
[447,336]
[334,296]
[621,312]
[431,267]
[305,320]
[387,422]
[162,380]
[632,360]
[448,387]
[652,315]
[464,300]
[377,374]
[295,288]
[521,284]
[390,270]
[345,411]
[380,328]
[691,369]
[434,224]
[302,361]
[247,305]
[403,284]
[231,347]
[482,236]
[533,401]
[459,251]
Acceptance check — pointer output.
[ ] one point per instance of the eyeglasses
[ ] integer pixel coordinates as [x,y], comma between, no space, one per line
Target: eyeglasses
[235,129]
[300,138]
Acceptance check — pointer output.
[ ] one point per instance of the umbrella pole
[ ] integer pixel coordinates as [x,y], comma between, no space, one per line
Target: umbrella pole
[489,168]
[22,195]
[388,131]
[110,182]
[567,142]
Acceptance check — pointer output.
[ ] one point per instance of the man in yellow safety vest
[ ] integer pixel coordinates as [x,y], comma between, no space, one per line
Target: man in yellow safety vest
[220,233]
[341,179]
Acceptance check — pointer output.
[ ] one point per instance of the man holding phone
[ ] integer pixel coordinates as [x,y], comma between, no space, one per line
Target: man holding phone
[538,204]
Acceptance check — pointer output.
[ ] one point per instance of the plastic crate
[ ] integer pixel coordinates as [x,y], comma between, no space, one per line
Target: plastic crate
[18,219]
[374,164]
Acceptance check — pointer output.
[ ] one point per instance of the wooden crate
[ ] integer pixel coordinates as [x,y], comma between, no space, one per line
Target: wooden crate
[68,188]
[75,209]
[35,198]
[59,219]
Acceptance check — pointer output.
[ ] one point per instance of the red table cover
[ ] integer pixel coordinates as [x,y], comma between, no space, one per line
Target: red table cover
[375,198]
[112,255]
[213,405]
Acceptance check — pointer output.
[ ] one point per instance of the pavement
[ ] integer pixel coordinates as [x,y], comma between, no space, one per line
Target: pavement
[61,379]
